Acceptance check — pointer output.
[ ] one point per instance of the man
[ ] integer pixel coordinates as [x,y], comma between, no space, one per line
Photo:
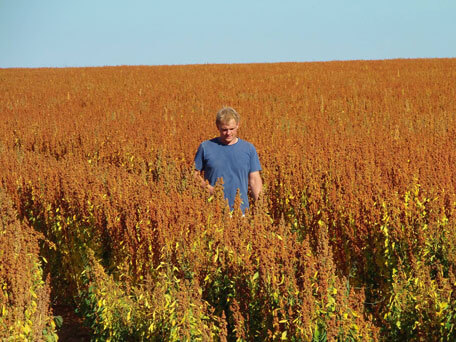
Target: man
[229,158]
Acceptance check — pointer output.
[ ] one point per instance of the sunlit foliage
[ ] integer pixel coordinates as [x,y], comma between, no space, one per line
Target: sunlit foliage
[352,240]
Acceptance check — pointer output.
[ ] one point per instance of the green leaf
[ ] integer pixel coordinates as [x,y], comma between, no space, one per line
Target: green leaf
[58,321]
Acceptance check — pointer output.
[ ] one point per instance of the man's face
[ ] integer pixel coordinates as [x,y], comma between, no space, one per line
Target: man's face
[228,132]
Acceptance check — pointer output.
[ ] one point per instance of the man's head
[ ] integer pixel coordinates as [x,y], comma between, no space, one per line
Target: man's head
[227,122]
[225,115]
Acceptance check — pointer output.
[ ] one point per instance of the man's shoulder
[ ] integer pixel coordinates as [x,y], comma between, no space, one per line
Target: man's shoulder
[246,144]
[210,142]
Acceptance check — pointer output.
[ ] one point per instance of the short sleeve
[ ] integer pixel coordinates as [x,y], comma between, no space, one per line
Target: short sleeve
[254,161]
[199,158]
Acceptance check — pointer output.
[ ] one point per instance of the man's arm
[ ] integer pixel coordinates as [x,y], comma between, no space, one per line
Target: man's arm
[199,175]
[255,183]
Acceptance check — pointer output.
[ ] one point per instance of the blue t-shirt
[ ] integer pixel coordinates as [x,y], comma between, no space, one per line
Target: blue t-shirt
[233,163]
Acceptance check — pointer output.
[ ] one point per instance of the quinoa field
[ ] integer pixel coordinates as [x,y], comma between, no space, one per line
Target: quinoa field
[353,238]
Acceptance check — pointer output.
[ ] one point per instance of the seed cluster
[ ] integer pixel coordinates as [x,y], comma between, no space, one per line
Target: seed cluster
[352,238]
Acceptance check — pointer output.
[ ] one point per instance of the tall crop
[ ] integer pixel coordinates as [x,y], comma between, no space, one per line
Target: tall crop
[352,239]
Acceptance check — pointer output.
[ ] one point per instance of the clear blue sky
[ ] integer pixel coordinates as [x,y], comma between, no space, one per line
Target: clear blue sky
[60,33]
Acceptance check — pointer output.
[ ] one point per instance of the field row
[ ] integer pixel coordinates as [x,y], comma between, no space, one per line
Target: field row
[352,238]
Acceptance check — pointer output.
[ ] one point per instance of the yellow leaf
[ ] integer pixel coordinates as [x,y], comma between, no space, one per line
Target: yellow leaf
[27,329]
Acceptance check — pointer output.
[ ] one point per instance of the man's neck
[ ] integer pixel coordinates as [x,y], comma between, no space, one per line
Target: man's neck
[230,143]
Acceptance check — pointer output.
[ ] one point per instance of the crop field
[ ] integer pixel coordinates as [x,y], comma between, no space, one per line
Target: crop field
[353,238]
